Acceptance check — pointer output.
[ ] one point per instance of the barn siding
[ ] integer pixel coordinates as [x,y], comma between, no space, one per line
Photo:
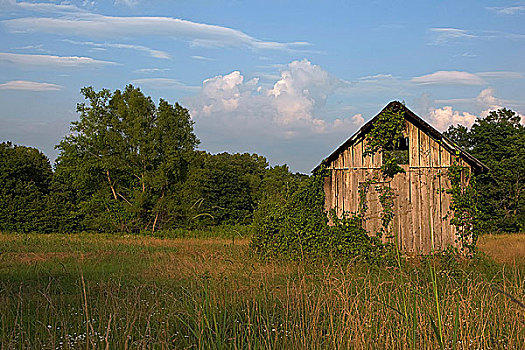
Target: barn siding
[421,205]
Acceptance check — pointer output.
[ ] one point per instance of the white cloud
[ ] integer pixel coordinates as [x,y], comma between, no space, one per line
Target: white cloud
[151,70]
[501,75]
[484,103]
[162,83]
[441,118]
[449,78]
[29,86]
[291,106]
[128,3]
[202,58]
[85,24]
[290,115]
[151,52]
[41,7]
[358,119]
[509,10]
[50,60]
[444,35]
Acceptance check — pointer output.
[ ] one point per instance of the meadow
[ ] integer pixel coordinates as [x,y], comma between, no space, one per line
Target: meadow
[96,291]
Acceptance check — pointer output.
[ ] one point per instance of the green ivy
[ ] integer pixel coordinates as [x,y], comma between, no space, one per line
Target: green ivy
[384,137]
[295,226]
[463,206]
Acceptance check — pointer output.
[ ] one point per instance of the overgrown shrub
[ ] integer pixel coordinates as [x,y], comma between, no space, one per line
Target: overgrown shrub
[295,226]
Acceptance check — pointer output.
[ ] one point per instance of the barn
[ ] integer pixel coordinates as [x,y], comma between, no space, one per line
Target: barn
[421,204]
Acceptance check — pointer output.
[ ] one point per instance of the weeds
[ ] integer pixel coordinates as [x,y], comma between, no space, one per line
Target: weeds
[211,294]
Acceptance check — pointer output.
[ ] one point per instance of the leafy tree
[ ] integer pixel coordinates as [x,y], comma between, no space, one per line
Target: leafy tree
[498,140]
[25,181]
[125,158]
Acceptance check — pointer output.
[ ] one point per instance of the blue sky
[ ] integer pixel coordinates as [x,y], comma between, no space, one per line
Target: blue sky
[290,80]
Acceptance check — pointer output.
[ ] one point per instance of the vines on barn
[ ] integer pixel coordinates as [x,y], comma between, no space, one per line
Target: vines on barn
[384,136]
[463,205]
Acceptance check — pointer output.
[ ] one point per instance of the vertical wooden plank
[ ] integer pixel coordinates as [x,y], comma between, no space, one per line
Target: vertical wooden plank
[424,149]
[367,160]
[358,155]
[334,190]
[348,155]
[404,194]
[397,186]
[434,154]
[445,157]
[413,145]
[416,209]
[447,230]
[424,233]
[327,185]
[377,160]
[436,208]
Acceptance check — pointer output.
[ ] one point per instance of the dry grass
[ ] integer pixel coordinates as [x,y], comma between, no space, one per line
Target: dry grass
[504,248]
[142,293]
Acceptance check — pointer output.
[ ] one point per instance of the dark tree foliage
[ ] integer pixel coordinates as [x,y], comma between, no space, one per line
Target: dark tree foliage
[25,184]
[226,188]
[498,140]
[124,159]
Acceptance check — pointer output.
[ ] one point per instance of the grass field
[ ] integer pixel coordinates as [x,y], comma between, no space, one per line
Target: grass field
[125,292]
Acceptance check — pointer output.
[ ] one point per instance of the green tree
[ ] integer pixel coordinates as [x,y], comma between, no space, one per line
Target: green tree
[125,159]
[498,140]
[25,182]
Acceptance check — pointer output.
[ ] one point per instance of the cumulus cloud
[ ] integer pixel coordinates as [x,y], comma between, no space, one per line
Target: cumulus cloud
[290,106]
[483,103]
[288,115]
[85,24]
[50,60]
[441,118]
[29,86]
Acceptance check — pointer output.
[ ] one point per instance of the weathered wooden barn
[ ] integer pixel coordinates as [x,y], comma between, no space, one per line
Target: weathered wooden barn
[421,204]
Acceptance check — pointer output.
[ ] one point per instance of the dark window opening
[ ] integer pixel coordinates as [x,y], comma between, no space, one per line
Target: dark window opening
[399,151]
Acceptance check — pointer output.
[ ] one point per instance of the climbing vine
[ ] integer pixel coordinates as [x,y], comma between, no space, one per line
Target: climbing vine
[463,205]
[384,137]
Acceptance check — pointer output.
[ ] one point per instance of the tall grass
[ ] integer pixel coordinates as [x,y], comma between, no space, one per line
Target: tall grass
[143,293]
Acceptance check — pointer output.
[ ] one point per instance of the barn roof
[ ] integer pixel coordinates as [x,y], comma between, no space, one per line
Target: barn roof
[421,124]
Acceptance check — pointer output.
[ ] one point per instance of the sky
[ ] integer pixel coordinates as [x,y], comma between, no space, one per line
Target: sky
[290,80]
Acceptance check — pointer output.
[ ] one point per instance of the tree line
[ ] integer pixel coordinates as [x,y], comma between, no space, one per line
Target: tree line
[129,165]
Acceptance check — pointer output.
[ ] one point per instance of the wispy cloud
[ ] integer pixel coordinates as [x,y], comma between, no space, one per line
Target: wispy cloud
[151,70]
[85,24]
[50,60]
[163,83]
[202,58]
[128,3]
[151,52]
[40,7]
[444,35]
[501,75]
[448,78]
[508,10]
[29,86]
[463,78]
